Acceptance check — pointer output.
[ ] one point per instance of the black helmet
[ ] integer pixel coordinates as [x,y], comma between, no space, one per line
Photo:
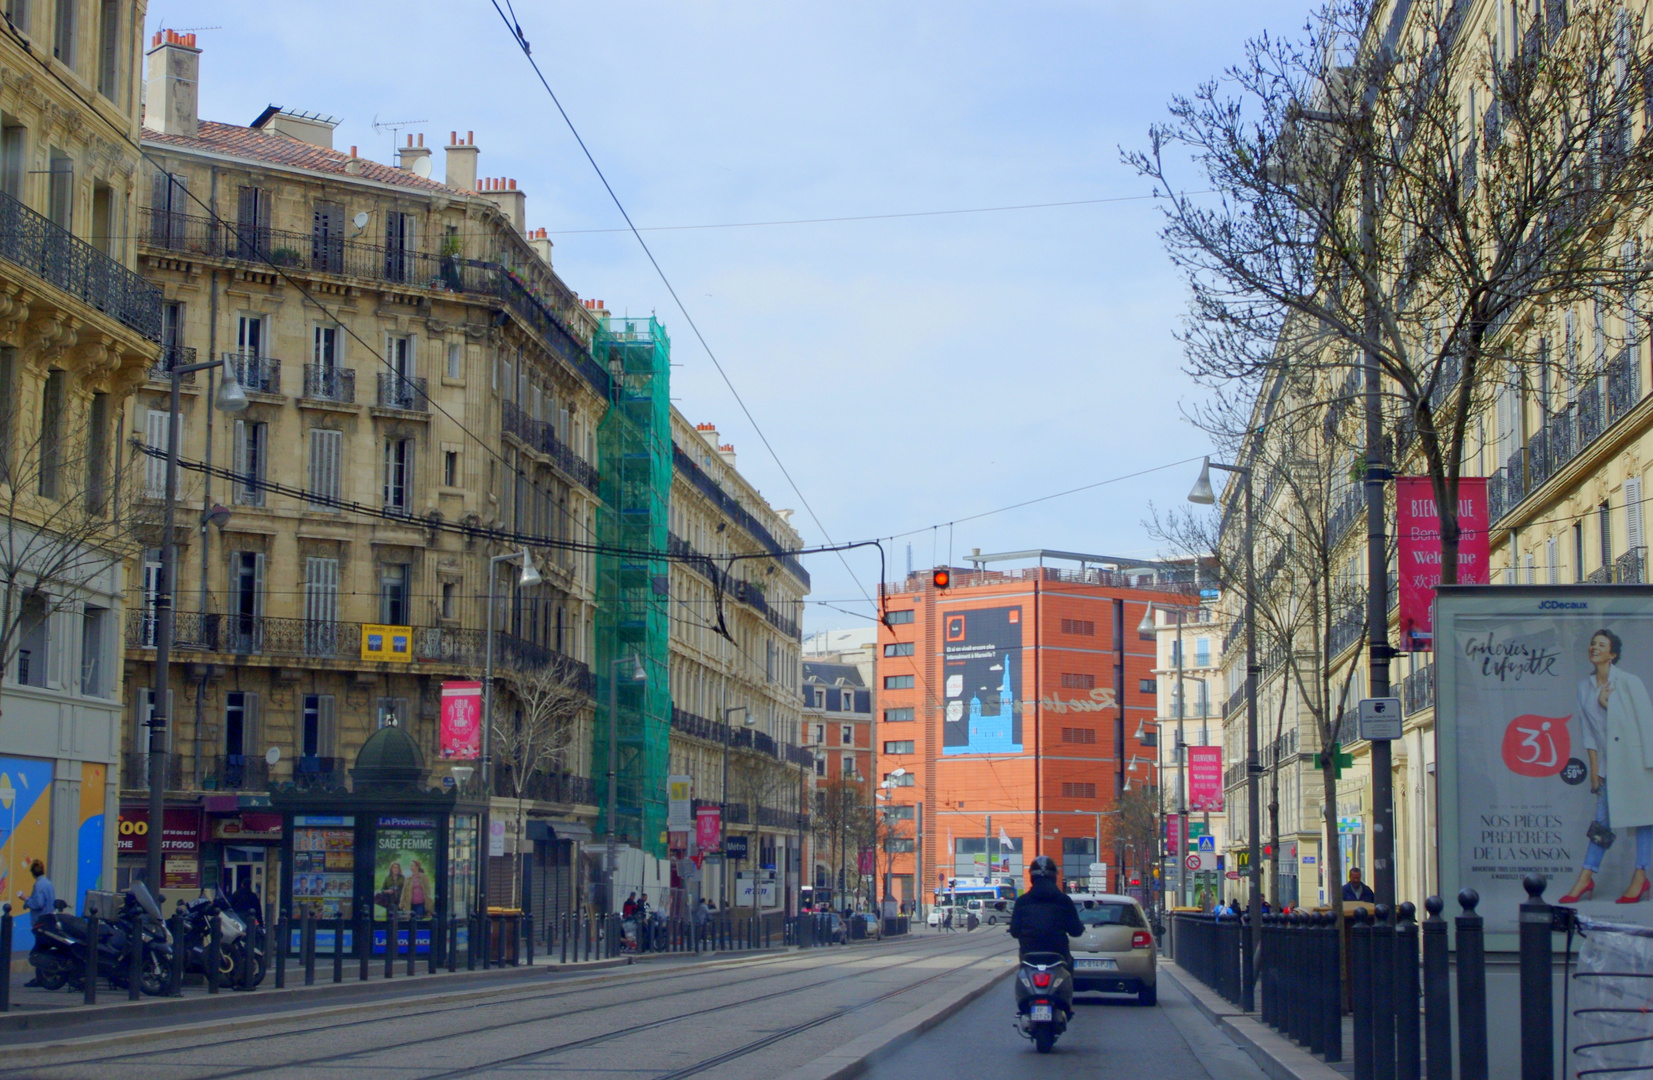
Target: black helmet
[1043,867]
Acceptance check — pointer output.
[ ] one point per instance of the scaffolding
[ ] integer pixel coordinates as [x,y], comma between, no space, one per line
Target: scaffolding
[634,456]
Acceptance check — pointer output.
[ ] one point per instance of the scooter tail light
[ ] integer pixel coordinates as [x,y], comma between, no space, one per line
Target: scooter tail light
[1141,939]
[1041,979]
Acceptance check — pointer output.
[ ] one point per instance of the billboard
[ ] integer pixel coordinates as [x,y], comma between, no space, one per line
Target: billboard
[1418,536]
[981,669]
[679,803]
[404,867]
[1205,778]
[1544,734]
[461,721]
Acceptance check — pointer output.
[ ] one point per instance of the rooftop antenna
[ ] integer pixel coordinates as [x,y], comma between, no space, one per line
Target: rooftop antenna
[395,128]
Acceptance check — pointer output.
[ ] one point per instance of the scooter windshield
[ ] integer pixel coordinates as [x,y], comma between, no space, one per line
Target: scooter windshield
[141,894]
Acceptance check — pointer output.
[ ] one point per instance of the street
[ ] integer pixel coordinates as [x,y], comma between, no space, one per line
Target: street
[756,1017]
[1110,1036]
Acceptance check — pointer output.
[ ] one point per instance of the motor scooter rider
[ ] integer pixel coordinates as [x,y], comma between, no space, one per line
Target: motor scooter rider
[1045,917]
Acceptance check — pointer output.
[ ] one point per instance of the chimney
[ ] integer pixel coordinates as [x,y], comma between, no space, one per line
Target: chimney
[512,203]
[461,162]
[306,127]
[709,433]
[412,154]
[726,451]
[173,84]
[541,243]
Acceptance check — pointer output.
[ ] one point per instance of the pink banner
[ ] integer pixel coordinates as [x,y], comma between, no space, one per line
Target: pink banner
[1173,833]
[461,721]
[1205,778]
[708,823]
[867,864]
[1418,530]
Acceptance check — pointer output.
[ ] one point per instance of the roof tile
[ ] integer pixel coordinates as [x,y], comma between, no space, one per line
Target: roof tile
[258,144]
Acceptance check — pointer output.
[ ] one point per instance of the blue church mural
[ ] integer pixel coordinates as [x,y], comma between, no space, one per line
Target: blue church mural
[981,666]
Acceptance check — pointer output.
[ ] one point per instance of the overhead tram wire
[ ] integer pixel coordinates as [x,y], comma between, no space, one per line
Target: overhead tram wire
[515,28]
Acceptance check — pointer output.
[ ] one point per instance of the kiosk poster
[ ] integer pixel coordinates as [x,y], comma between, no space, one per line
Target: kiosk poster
[404,867]
[1545,741]
[982,681]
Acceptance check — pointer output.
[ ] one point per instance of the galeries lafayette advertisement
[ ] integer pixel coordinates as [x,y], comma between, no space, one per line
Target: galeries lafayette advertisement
[1545,743]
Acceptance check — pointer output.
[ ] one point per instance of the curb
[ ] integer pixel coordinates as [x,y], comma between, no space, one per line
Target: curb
[1276,1055]
[853,1057]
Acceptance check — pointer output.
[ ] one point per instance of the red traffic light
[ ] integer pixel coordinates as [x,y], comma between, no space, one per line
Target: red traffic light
[941,579]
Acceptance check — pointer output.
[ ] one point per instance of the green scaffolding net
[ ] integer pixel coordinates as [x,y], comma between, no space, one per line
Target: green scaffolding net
[634,457]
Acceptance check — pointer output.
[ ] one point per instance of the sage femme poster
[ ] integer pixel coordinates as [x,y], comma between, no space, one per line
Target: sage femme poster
[1545,737]
[404,867]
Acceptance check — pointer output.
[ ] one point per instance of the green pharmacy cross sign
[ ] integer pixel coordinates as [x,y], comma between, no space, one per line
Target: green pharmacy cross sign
[1339,760]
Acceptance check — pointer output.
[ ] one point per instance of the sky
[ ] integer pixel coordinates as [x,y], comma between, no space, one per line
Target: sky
[909,372]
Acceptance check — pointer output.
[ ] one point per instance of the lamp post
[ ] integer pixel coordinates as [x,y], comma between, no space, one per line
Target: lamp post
[229,398]
[747,720]
[529,576]
[1204,496]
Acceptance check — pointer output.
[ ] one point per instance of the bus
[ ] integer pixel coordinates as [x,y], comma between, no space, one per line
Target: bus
[990,891]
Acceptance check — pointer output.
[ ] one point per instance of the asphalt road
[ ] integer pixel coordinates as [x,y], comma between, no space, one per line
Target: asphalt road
[749,1018]
[1110,1036]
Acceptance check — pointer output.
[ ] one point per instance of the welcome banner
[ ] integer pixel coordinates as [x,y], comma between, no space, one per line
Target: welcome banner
[1418,531]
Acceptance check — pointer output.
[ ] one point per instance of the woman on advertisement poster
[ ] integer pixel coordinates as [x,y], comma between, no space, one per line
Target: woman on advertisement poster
[1617,721]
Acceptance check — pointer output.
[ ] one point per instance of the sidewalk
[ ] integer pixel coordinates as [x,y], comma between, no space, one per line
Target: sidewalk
[1276,1055]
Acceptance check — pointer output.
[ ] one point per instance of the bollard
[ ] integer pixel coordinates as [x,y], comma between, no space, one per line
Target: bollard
[562,933]
[1360,983]
[89,992]
[307,944]
[5,957]
[364,947]
[284,929]
[433,927]
[1472,990]
[134,963]
[528,934]
[1383,994]
[244,969]
[1537,1035]
[413,935]
[390,945]
[1437,993]
[214,954]
[1331,975]
[338,950]
[175,974]
[1248,975]
[1265,972]
[453,945]
[1296,1000]
[1408,1051]
[470,942]
[1314,971]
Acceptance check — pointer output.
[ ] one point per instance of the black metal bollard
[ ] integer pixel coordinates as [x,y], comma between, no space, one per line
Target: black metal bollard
[244,967]
[175,974]
[1269,1011]
[1537,1036]
[390,945]
[471,927]
[338,950]
[1408,1051]
[1360,983]
[1314,972]
[134,963]
[1297,1000]
[528,936]
[413,936]
[1331,975]
[215,950]
[1472,990]
[364,947]
[5,957]
[89,992]
[1437,993]
[1383,994]
[433,927]
[453,945]
[307,943]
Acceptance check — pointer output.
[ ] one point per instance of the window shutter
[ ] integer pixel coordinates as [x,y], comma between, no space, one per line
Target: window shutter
[243,490]
[258,584]
[155,437]
[56,639]
[1552,559]
[325,452]
[249,724]
[1633,511]
[325,726]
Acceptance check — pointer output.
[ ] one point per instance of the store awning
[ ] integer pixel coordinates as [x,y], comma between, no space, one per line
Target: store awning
[539,829]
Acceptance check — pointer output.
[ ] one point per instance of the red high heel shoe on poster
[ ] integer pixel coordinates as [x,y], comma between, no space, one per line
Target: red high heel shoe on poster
[1586,893]
[1627,898]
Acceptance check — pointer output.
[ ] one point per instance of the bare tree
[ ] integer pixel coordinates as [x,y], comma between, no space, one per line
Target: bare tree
[1137,827]
[1437,199]
[760,781]
[534,733]
[840,815]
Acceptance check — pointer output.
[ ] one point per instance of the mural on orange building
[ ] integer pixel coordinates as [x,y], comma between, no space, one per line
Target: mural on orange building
[982,678]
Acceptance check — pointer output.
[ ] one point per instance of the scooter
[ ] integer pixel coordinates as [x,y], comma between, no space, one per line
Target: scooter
[59,953]
[235,938]
[1044,998]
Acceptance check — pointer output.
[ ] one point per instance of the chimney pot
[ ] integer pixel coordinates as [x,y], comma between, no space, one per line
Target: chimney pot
[421,138]
[453,138]
[190,41]
[513,185]
[410,140]
[470,138]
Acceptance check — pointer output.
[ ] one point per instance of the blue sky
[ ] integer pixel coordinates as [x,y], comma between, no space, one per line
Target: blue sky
[907,372]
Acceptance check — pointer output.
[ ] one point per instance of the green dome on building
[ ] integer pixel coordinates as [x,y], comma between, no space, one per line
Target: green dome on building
[388,759]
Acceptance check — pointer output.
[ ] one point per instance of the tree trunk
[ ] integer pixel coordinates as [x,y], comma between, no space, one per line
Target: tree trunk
[1446,503]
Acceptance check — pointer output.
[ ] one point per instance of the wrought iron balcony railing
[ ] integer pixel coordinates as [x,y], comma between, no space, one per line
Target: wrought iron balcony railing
[135,769]
[541,436]
[239,772]
[173,356]
[58,257]
[260,374]
[323,382]
[401,392]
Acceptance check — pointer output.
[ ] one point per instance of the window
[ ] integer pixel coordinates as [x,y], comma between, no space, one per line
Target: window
[401,245]
[392,710]
[239,710]
[1147,686]
[898,716]
[246,601]
[399,474]
[63,40]
[315,729]
[846,700]
[450,598]
[60,192]
[896,618]
[819,696]
[899,813]
[899,648]
[898,682]
[1076,681]
[846,734]
[18,12]
[321,606]
[52,404]
[1085,627]
[898,845]
[820,734]
[1552,560]
[900,746]
[325,353]
[393,594]
[1078,791]
[1202,652]
[97,455]
[94,646]
[326,465]
[14,145]
[33,639]
[450,468]
[456,359]
[103,219]
[846,765]
[820,765]
[1578,551]
[904,780]
[252,226]
[109,49]
[1604,526]
[327,226]
[1083,735]
[251,450]
[1633,520]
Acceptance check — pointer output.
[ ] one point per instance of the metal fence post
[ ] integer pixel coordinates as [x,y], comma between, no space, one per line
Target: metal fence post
[89,992]
[1383,993]
[338,950]
[134,963]
[364,947]
[175,972]
[413,939]
[5,957]
[1437,993]
[215,949]
[307,942]
[1314,971]
[1408,1057]
[1472,990]
[1360,983]
[1297,994]
[390,945]
[1331,976]
[1537,1035]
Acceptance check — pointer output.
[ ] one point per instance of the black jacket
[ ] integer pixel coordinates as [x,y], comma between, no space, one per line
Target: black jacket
[1044,918]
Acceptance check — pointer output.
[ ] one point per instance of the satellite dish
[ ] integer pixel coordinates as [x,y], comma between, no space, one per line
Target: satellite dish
[421,167]
[360,220]
[272,755]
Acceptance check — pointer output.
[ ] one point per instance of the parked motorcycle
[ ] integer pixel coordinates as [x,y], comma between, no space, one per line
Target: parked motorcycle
[59,953]
[237,936]
[1044,998]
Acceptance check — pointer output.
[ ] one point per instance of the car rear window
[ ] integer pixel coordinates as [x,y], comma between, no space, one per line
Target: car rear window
[1101,913]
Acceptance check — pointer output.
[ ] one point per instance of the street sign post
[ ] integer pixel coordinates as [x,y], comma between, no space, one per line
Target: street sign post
[1207,843]
[1380,718]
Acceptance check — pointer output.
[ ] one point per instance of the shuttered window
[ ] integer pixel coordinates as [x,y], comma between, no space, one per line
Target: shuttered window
[398,474]
[252,224]
[1079,735]
[1086,627]
[1078,791]
[1075,681]
[1633,520]
[169,204]
[154,468]
[321,606]
[326,452]
[251,452]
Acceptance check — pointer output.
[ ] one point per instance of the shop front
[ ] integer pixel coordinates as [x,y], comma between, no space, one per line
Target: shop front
[181,849]
[243,844]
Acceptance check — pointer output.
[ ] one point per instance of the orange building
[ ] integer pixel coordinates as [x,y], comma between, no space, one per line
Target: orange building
[1000,718]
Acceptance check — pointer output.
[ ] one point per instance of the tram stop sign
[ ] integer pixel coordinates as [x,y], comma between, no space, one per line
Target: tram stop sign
[1380,718]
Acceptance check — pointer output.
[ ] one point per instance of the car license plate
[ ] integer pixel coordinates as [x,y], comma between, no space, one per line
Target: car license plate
[1041,1012]
[1096,965]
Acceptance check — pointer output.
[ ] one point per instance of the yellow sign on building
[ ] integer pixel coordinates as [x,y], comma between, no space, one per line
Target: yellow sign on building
[393,643]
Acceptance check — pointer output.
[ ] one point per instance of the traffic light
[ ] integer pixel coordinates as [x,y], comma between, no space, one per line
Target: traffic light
[942,578]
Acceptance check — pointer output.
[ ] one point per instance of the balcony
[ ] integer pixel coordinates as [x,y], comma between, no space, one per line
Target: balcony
[541,436]
[135,768]
[256,374]
[312,771]
[173,356]
[1418,690]
[1631,567]
[558,787]
[238,772]
[323,382]
[56,256]
[401,392]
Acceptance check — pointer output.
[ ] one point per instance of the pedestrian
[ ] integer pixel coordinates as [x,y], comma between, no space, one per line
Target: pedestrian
[245,902]
[628,910]
[947,921]
[702,916]
[40,903]
[1355,889]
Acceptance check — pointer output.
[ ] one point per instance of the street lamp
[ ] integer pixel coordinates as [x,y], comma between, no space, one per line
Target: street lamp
[230,398]
[747,720]
[1204,496]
